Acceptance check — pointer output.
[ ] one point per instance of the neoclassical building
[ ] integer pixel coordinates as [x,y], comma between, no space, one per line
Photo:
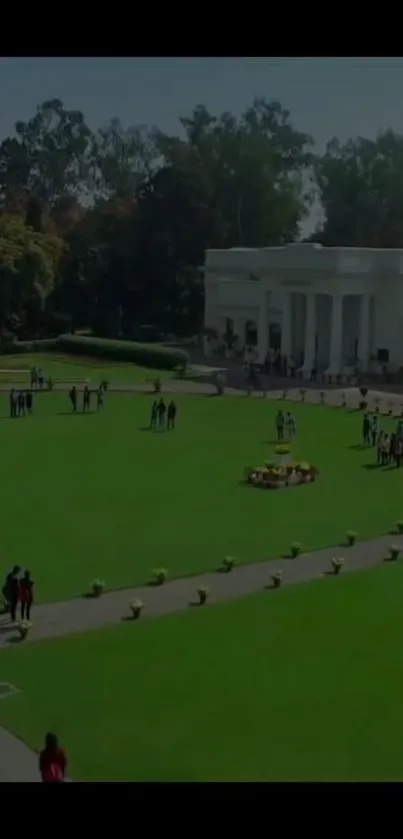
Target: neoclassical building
[333,306]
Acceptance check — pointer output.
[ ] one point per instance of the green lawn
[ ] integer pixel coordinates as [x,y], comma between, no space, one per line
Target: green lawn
[304,683]
[14,368]
[96,496]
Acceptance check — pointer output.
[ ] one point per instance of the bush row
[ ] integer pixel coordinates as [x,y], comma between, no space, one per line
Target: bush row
[146,355]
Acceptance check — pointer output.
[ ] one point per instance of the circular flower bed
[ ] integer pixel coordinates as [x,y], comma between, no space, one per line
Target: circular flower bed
[276,477]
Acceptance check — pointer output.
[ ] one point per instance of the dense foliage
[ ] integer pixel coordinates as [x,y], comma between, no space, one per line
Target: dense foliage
[107,230]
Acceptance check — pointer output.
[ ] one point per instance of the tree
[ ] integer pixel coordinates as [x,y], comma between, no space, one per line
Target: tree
[125,158]
[53,155]
[361,189]
[28,265]
[256,167]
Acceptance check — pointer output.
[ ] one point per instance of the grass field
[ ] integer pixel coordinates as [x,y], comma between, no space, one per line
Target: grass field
[306,683]
[99,496]
[15,369]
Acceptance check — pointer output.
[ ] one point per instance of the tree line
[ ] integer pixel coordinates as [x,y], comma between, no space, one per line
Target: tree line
[107,229]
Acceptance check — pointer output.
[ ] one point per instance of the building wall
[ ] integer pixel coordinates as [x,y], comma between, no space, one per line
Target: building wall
[235,278]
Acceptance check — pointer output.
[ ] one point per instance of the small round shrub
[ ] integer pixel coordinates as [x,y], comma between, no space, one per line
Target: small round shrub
[394,552]
[228,563]
[399,526]
[97,587]
[160,575]
[203,595]
[337,564]
[351,537]
[23,628]
[276,579]
[136,607]
[295,549]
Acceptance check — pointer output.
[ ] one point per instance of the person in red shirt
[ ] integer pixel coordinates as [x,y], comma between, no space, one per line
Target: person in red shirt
[52,760]
[26,595]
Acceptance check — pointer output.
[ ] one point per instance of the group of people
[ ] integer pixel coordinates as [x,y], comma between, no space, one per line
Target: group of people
[160,411]
[285,423]
[87,394]
[21,402]
[18,588]
[37,378]
[389,447]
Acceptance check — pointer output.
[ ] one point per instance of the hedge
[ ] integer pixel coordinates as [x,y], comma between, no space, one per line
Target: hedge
[146,355]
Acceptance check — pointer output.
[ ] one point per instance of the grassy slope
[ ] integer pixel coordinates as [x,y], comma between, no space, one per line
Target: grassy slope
[304,683]
[96,496]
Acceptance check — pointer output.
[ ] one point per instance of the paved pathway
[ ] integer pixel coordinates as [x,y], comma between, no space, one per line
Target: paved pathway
[19,763]
[83,614]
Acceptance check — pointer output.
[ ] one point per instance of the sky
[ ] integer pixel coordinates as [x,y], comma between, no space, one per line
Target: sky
[326,97]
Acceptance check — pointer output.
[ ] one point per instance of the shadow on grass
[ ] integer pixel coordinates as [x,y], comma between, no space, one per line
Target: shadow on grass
[156,430]
[75,413]
[372,466]
[271,587]
[16,639]
[155,584]
[128,619]
[275,443]
[359,447]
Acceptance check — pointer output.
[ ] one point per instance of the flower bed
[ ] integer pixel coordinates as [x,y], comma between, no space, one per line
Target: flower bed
[276,477]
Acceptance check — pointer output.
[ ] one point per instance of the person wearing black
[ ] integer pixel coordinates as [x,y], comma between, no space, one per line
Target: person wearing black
[366,430]
[29,401]
[161,413]
[86,399]
[21,404]
[171,415]
[73,398]
[100,398]
[26,595]
[153,417]
[11,591]
[13,403]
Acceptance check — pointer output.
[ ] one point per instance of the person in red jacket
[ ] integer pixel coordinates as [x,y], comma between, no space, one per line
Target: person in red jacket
[52,760]
[26,595]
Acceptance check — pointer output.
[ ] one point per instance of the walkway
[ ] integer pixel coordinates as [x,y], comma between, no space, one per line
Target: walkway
[82,614]
[18,762]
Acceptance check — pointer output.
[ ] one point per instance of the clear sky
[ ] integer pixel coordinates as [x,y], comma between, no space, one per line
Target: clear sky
[326,96]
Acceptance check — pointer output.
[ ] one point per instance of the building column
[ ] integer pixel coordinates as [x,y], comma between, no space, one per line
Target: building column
[263,327]
[239,330]
[286,327]
[363,341]
[310,333]
[336,339]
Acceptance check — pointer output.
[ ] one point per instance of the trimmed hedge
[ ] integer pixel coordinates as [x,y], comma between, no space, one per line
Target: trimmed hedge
[146,355]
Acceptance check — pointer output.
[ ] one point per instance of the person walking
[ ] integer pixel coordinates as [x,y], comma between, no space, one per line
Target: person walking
[26,596]
[52,760]
[11,591]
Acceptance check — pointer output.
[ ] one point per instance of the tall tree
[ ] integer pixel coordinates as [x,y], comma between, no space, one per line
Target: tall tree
[361,190]
[52,155]
[125,158]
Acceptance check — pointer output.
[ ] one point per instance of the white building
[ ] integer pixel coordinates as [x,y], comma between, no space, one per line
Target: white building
[332,306]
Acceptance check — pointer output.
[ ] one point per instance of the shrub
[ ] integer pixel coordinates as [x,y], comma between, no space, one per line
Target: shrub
[160,575]
[136,607]
[302,392]
[30,347]
[322,396]
[283,448]
[97,587]
[399,526]
[337,564]
[23,628]
[394,552]
[147,355]
[229,563]
[295,549]
[203,595]
[351,537]
[276,579]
